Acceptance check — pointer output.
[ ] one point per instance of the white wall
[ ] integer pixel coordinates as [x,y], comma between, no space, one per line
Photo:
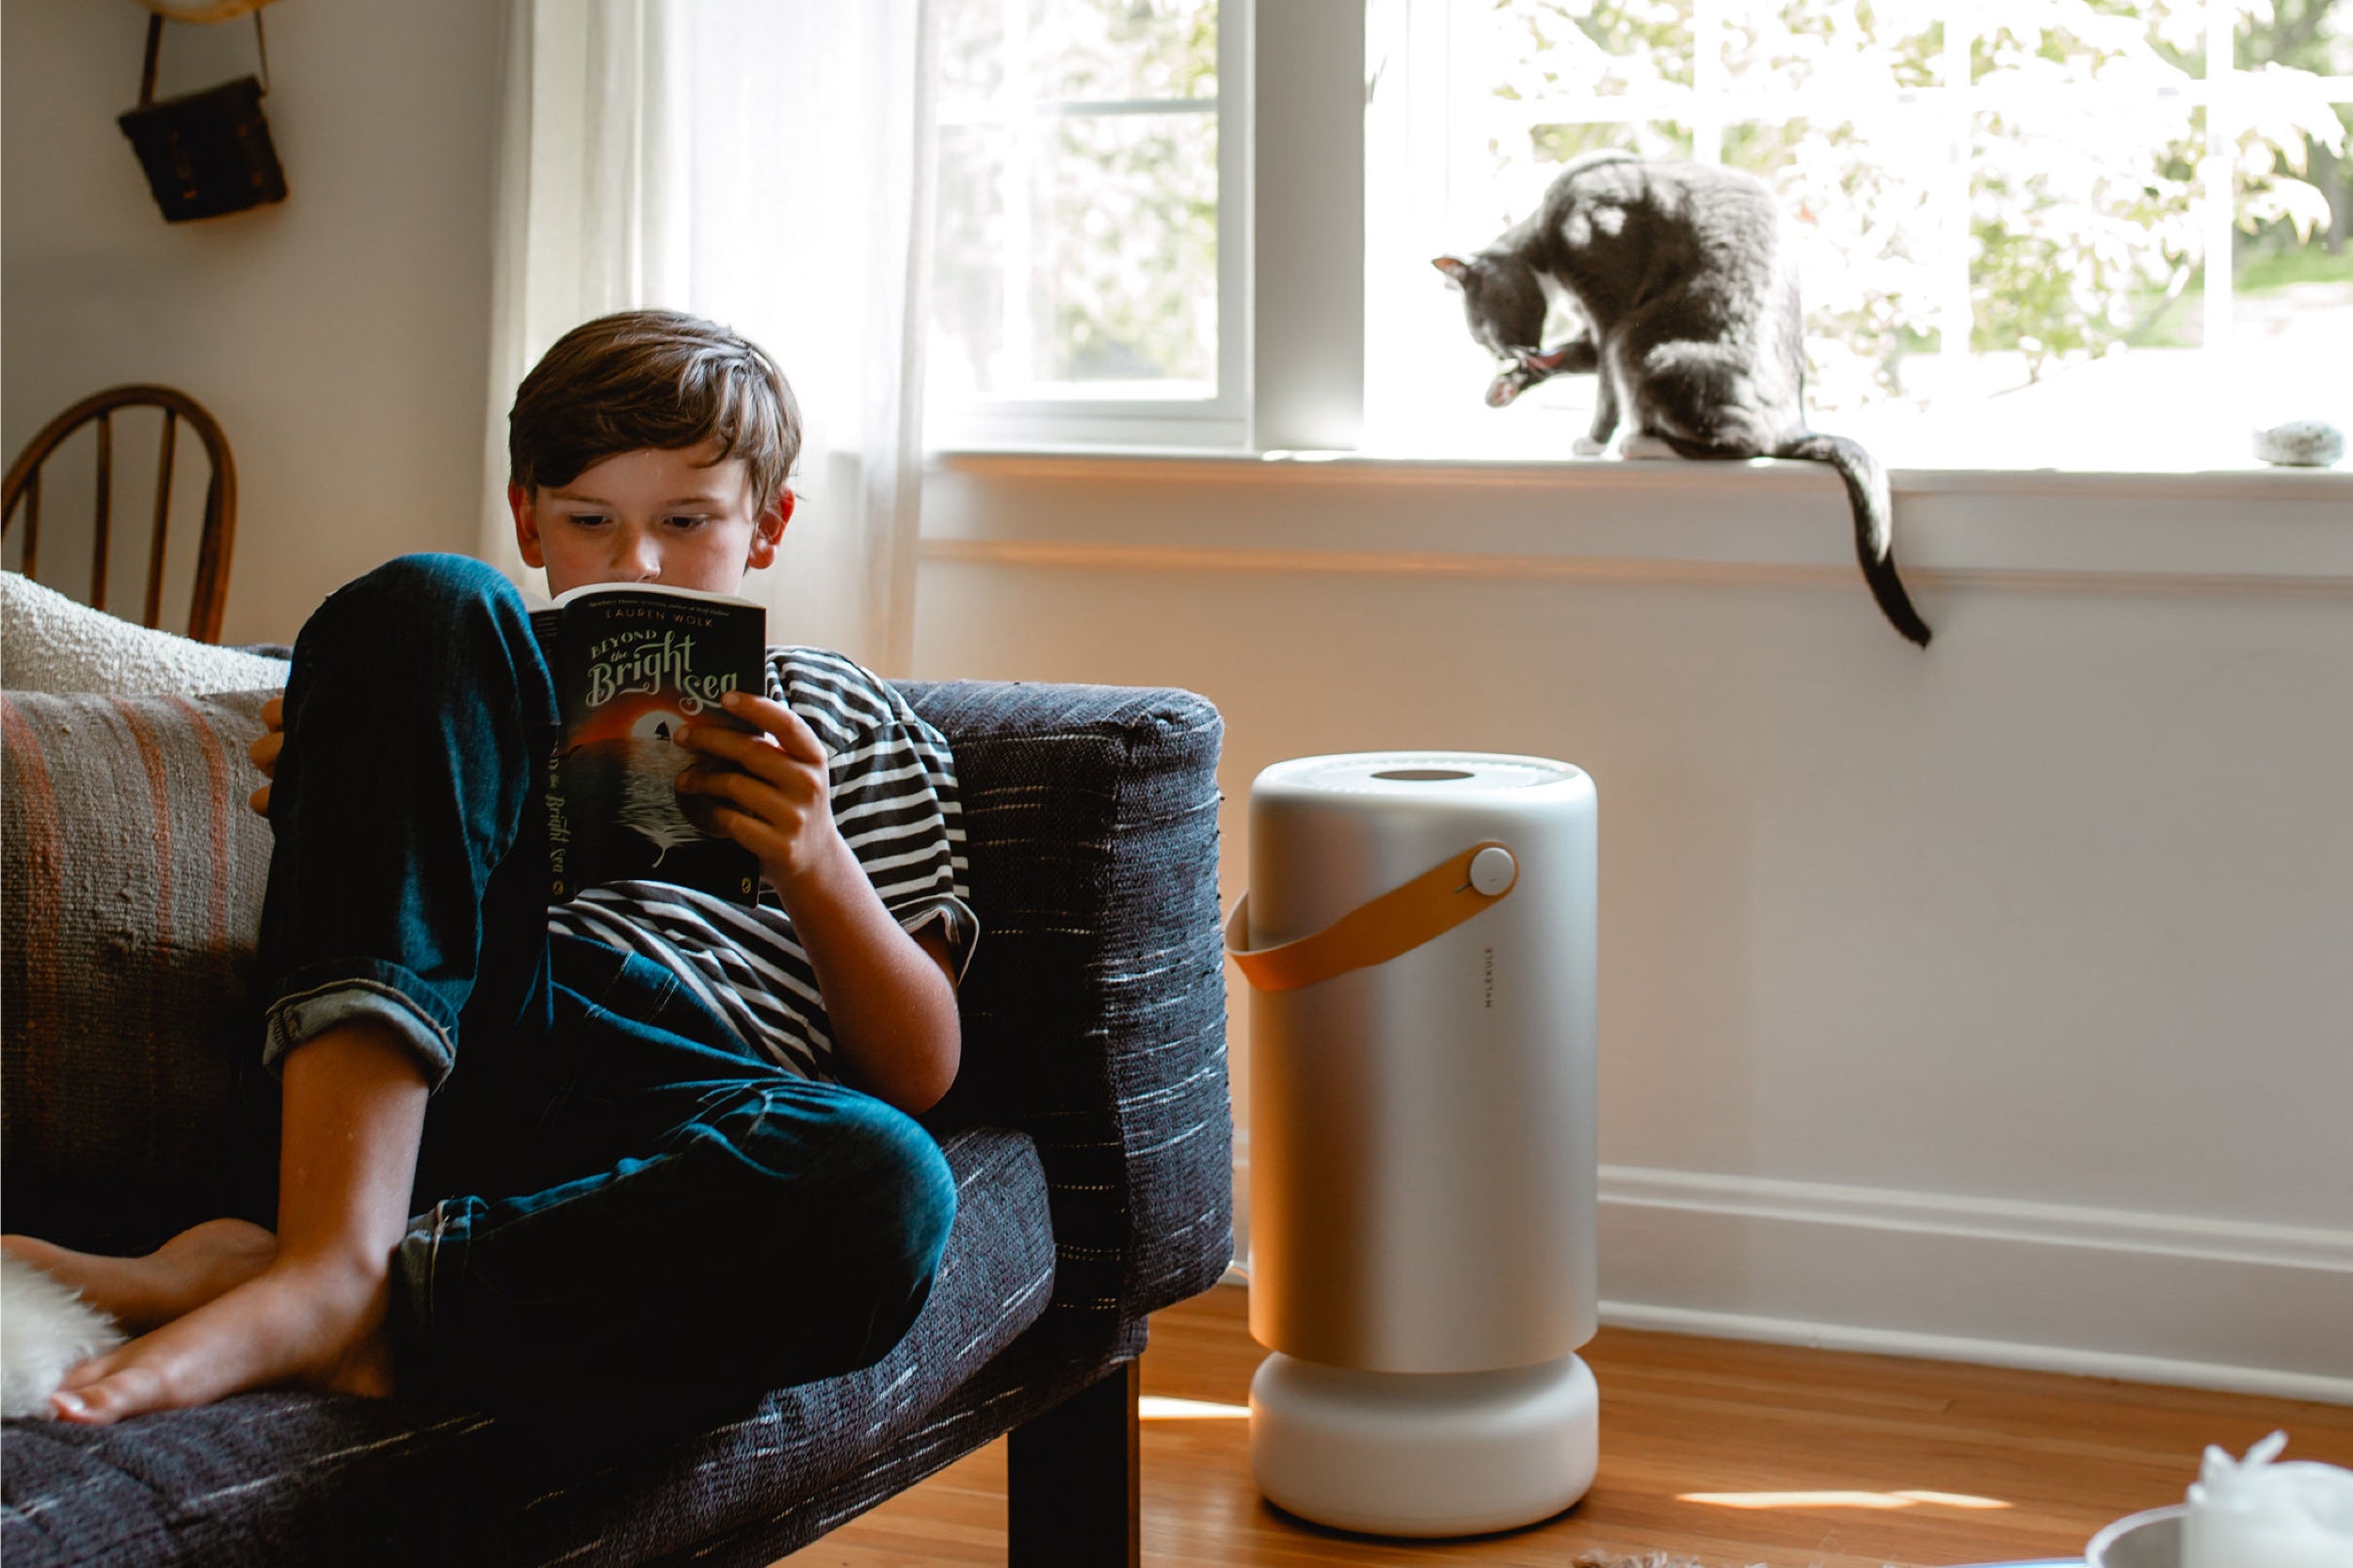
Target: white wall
[1998,1000]
[340,337]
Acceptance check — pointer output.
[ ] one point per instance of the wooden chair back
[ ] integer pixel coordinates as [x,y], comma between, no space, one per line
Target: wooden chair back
[211,591]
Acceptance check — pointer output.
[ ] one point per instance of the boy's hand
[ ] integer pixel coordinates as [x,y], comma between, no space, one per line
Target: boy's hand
[890,998]
[265,748]
[770,792]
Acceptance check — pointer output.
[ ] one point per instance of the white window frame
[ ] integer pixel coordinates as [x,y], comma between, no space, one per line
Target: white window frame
[1302,314]
[1218,420]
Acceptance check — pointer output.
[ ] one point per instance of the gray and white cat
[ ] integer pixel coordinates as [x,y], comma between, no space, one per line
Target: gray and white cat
[1691,305]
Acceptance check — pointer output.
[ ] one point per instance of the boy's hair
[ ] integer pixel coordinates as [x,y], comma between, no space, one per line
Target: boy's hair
[661,381]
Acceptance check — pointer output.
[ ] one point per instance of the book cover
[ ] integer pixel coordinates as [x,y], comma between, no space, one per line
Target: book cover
[632,664]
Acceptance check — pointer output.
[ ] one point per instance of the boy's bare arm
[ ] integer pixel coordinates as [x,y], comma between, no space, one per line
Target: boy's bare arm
[889,994]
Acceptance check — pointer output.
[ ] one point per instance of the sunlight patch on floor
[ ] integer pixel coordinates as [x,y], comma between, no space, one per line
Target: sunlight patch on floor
[1158,1407]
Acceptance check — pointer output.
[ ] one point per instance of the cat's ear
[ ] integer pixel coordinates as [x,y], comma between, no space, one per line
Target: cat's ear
[1454,267]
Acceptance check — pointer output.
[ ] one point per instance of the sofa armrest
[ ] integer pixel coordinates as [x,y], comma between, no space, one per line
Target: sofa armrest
[1095,1007]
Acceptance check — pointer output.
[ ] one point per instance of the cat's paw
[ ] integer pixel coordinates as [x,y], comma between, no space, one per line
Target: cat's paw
[1508,386]
[1585,446]
[1641,445]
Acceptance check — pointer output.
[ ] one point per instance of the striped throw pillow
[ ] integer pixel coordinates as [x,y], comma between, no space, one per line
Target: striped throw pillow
[131,881]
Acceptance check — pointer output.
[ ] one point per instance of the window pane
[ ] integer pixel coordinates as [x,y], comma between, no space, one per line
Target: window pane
[1110,49]
[2309,35]
[1126,279]
[1538,82]
[1834,43]
[1077,236]
[1521,163]
[1861,201]
[968,319]
[2086,229]
[2292,276]
[1090,50]
[1535,50]
[1116,239]
[2292,255]
[972,49]
[1558,144]
[2049,41]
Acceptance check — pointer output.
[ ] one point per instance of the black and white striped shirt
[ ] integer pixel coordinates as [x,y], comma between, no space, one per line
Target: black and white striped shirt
[894,799]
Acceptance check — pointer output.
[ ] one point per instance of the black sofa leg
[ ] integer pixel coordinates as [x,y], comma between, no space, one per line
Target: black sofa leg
[1070,1483]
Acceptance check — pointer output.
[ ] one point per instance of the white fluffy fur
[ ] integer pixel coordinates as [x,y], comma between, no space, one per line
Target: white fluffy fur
[46,1329]
[50,643]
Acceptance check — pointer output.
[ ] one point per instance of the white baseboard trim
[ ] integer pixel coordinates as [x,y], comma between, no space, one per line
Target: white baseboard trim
[1936,1347]
[1983,1352]
[2238,1306]
[2213,1303]
[1983,1219]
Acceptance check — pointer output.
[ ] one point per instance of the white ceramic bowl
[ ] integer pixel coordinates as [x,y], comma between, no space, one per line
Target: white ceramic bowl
[2147,1539]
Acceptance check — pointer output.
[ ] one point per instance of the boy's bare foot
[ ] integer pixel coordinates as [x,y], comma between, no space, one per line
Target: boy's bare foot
[141,1293]
[319,1324]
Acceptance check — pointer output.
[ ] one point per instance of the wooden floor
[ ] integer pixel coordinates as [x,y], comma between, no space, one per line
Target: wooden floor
[1702,1442]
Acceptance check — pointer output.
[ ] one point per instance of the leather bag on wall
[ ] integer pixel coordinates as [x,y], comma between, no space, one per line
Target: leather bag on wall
[206,153]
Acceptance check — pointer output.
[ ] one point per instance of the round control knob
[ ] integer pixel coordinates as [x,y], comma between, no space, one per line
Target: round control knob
[1492,871]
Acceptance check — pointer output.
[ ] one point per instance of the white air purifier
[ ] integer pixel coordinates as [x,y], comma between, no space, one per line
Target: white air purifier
[1418,938]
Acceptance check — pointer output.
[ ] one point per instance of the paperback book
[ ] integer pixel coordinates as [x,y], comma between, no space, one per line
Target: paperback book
[632,663]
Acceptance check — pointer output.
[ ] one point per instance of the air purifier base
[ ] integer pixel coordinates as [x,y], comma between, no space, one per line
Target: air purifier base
[1423,1454]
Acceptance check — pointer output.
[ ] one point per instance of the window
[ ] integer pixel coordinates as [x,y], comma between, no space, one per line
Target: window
[2065,232]
[1084,285]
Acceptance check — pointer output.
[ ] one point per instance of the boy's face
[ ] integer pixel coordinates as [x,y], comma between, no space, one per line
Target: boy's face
[658,516]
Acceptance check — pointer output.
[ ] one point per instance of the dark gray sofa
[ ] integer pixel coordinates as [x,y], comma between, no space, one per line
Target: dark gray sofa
[1090,1133]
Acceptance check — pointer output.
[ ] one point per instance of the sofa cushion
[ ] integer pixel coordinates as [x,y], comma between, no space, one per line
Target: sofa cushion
[131,879]
[291,1477]
[1058,1356]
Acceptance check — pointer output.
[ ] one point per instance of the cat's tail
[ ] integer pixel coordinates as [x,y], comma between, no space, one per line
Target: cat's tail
[1874,523]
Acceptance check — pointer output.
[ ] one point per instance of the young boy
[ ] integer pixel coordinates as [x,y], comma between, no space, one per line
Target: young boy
[595,1156]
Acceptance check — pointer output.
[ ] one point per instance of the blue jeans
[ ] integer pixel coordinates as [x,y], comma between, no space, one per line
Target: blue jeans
[621,1207]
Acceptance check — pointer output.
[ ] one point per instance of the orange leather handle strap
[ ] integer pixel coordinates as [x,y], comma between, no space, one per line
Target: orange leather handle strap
[1397,922]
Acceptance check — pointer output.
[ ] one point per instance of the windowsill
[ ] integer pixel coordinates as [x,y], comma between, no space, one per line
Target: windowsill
[1148,508]
[2254,479]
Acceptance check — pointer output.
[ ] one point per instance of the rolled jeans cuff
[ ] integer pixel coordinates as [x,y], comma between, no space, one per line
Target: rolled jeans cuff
[303,1016]
[415,1270]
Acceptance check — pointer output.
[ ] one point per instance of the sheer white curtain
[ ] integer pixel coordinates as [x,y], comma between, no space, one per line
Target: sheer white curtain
[767,163]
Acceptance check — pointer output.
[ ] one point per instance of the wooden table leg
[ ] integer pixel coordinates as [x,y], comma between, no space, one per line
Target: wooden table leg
[1071,1482]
